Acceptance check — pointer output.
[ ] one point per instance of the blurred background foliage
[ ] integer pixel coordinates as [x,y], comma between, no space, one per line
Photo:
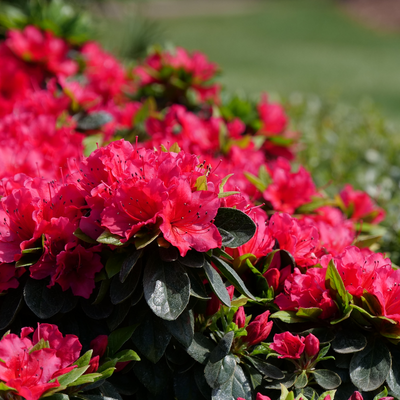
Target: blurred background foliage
[338,77]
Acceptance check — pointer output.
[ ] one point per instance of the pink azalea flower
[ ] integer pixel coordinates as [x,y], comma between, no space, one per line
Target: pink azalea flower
[288,345]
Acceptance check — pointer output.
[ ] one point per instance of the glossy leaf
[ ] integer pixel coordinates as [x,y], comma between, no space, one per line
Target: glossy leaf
[232,277]
[327,379]
[370,367]
[218,373]
[166,288]
[217,285]
[182,329]
[200,348]
[237,224]
[349,342]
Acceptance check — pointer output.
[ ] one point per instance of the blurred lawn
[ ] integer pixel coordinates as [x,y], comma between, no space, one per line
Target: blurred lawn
[308,46]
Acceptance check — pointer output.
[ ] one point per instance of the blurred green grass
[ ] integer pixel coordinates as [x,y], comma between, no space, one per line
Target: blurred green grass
[307,46]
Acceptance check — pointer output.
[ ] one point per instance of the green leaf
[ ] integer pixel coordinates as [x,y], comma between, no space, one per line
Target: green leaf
[5,388]
[85,238]
[223,182]
[227,194]
[84,360]
[41,344]
[127,355]
[301,380]
[117,339]
[382,394]
[370,367]
[166,288]
[367,241]
[42,301]
[201,183]
[94,121]
[151,338]
[237,224]
[182,329]
[87,378]
[232,277]
[265,368]
[256,181]
[114,264]
[10,305]
[289,317]
[193,259]
[393,379]
[223,347]
[237,386]
[326,378]
[155,377]
[349,342]
[120,291]
[143,239]
[254,375]
[324,395]
[90,144]
[71,376]
[185,387]
[334,282]
[218,373]
[309,313]
[108,238]
[217,285]
[200,348]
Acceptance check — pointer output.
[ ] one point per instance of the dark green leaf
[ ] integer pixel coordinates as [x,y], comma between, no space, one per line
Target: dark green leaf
[301,380]
[85,379]
[393,379]
[155,377]
[370,367]
[232,276]
[197,288]
[42,301]
[237,224]
[10,305]
[223,347]
[287,382]
[99,310]
[266,369]
[327,379]
[152,338]
[200,348]
[129,263]
[254,375]
[237,386]
[349,342]
[185,387]
[94,121]
[118,315]
[193,259]
[114,264]
[107,389]
[56,396]
[182,329]
[117,339]
[166,288]
[219,372]
[120,291]
[226,237]
[201,383]
[217,285]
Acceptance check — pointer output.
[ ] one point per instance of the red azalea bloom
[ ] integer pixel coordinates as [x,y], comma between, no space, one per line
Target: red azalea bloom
[258,329]
[360,206]
[188,218]
[272,116]
[298,239]
[30,372]
[288,345]
[289,190]
[307,291]
[311,345]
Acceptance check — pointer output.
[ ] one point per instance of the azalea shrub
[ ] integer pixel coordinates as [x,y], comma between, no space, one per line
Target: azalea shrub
[160,241]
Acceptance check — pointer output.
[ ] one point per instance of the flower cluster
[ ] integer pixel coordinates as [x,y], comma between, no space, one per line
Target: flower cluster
[184,222]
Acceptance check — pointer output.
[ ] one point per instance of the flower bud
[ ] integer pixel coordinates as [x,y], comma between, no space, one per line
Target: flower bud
[356,396]
[99,345]
[312,345]
[240,317]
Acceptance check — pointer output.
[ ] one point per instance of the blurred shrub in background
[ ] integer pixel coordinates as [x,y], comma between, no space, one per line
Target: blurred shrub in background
[351,144]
